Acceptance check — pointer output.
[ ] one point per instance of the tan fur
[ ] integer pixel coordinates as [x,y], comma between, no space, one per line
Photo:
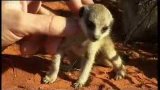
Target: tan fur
[92,41]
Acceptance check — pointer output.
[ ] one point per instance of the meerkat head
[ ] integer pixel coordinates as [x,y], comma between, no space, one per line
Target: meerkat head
[96,21]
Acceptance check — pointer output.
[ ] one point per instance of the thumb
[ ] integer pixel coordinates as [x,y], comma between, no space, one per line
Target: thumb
[45,24]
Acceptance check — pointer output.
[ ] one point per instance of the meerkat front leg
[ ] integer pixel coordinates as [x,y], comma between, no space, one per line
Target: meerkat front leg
[107,63]
[86,69]
[110,52]
[51,75]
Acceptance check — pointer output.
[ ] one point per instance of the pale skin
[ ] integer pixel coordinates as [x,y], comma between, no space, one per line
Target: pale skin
[19,20]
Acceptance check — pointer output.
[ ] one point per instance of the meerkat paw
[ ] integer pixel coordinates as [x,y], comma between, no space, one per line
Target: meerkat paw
[78,85]
[120,75]
[48,79]
[108,64]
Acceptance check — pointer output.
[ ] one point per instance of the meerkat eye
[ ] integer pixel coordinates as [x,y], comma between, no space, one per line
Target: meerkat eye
[90,25]
[104,29]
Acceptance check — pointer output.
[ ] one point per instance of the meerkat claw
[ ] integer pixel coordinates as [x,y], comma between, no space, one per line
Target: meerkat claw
[47,79]
[77,85]
[120,75]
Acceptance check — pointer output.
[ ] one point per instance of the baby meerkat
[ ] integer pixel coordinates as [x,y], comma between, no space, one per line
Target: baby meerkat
[96,22]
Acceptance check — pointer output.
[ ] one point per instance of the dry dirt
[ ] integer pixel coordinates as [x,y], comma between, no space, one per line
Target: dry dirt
[19,73]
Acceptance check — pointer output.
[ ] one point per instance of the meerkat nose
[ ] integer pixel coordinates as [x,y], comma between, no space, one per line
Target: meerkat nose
[95,37]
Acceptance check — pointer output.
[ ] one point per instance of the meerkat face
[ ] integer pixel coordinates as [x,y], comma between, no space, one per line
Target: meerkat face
[96,21]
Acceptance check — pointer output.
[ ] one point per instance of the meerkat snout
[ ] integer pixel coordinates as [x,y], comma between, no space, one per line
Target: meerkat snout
[96,21]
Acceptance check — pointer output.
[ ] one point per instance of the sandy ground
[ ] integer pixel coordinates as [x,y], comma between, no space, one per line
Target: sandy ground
[19,73]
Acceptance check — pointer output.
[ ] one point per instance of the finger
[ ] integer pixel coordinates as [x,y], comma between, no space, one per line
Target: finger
[45,11]
[24,5]
[87,2]
[31,6]
[61,26]
[28,24]
[52,44]
[23,24]
[30,45]
[12,5]
[34,6]
[75,5]
[8,37]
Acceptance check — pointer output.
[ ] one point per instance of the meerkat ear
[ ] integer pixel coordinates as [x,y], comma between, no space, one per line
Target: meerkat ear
[81,11]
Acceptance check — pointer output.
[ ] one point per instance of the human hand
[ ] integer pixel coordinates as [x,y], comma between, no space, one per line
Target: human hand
[17,23]
[75,5]
[25,24]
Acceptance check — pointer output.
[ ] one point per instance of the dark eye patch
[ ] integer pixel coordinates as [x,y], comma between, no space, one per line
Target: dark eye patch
[90,24]
[104,29]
